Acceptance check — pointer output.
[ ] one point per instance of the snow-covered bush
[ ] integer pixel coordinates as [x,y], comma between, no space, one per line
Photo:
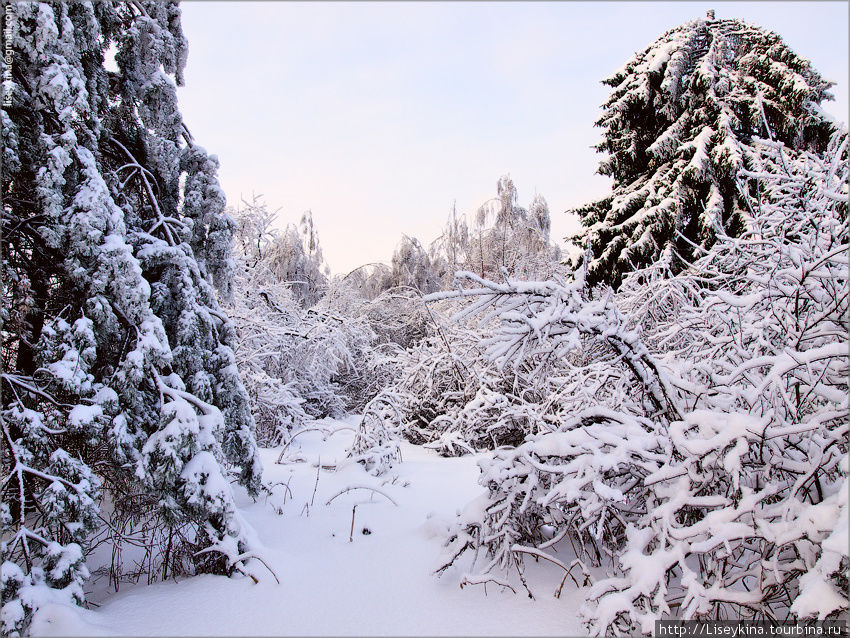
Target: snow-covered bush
[433,382]
[339,359]
[462,394]
[411,267]
[458,402]
[376,441]
[297,363]
[713,484]
[395,314]
[436,377]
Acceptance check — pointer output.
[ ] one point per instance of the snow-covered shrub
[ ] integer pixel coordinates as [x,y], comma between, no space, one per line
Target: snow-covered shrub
[433,383]
[493,417]
[398,316]
[336,355]
[437,378]
[276,406]
[368,280]
[714,486]
[300,363]
[376,441]
[411,267]
[457,402]
[463,395]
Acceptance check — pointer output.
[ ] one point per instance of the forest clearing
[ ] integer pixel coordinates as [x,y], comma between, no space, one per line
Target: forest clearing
[205,431]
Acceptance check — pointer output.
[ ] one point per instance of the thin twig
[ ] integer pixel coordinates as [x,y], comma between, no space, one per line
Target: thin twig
[467,580]
[361,487]
[292,438]
[351,533]
[316,486]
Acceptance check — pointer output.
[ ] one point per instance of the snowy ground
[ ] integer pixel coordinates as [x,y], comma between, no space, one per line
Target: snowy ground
[379,583]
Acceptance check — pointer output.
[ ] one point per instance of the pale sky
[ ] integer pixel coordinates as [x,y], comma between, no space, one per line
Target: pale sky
[378,115]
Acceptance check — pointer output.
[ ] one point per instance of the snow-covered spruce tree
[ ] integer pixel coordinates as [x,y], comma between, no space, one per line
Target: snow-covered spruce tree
[204,214]
[119,382]
[763,350]
[678,127]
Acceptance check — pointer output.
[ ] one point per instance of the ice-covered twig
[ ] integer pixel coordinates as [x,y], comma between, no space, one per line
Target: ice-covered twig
[361,487]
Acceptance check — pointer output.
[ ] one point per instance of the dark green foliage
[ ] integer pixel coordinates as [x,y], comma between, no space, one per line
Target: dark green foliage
[678,128]
[119,382]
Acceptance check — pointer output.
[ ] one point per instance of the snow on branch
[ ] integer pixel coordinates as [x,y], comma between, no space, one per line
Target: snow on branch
[551,317]
[725,494]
